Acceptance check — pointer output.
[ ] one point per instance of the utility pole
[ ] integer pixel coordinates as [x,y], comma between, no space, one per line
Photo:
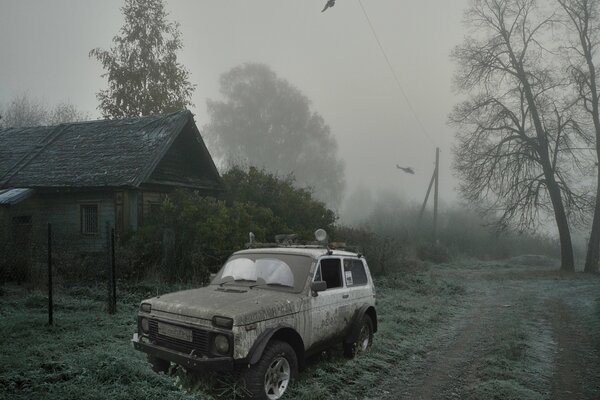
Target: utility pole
[435,192]
[435,184]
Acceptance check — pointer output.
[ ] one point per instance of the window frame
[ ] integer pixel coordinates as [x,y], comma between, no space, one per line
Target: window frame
[366,283]
[318,270]
[82,219]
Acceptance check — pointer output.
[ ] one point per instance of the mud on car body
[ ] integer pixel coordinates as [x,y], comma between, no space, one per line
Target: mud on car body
[264,312]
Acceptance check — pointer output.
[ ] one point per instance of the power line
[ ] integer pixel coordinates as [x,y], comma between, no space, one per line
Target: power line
[389,64]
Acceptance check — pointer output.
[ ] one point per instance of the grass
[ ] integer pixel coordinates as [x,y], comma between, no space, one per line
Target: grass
[508,372]
[87,353]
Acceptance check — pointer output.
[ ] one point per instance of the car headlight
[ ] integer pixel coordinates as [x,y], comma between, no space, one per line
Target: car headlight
[146,307]
[222,344]
[145,325]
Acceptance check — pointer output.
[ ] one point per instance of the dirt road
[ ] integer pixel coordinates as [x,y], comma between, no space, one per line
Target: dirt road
[523,333]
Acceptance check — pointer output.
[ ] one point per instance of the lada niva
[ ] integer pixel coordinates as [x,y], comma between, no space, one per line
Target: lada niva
[262,315]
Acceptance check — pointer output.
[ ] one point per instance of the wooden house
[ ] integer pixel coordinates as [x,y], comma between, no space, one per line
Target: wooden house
[87,177]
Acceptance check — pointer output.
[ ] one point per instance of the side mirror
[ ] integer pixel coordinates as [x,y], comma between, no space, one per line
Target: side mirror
[212,277]
[318,286]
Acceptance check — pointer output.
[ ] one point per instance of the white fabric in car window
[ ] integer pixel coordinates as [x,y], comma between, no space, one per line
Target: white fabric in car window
[274,271]
[240,268]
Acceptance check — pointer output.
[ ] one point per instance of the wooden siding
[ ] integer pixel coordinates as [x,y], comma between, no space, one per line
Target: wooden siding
[184,164]
[63,211]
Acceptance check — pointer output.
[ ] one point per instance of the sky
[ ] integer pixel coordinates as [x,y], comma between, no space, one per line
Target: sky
[332,57]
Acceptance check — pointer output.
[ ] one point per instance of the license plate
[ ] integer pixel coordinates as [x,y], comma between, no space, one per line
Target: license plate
[175,332]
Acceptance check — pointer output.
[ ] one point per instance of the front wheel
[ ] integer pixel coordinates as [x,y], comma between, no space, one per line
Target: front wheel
[270,378]
[159,365]
[364,340]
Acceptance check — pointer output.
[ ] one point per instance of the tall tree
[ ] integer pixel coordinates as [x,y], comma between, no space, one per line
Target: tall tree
[144,76]
[583,21]
[24,110]
[266,122]
[514,140]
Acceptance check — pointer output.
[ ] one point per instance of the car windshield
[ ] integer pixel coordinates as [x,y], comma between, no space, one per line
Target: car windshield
[273,271]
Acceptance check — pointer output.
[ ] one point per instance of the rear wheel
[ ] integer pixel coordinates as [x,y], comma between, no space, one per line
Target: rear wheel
[271,376]
[364,340]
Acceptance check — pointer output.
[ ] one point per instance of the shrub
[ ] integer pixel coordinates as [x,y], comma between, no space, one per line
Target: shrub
[192,235]
[433,252]
[382,251]
[294,209]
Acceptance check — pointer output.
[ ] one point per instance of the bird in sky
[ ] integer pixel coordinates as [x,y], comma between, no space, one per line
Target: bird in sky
[408,170]
[329,4]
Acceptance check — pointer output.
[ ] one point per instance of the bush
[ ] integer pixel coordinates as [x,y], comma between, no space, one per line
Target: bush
[192,235]
[383,252]
[294,209]
[433,252]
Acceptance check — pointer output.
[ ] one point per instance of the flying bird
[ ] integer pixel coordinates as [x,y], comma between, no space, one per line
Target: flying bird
[408,170]
[329,4]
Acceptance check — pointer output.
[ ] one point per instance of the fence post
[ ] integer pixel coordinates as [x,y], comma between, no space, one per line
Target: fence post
[109,269]
[113,278]
[50,300]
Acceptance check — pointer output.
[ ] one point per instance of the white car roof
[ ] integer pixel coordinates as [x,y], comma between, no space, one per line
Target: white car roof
[314,252]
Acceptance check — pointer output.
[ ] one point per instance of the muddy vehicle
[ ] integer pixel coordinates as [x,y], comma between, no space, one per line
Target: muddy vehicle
[263,314]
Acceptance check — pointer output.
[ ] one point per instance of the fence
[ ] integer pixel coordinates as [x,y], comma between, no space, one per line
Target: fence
[46,256]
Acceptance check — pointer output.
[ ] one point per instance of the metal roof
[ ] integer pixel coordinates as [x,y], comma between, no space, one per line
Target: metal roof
[8,197]
[95,154]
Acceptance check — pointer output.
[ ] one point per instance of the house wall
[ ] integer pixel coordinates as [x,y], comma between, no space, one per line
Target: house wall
[63,211]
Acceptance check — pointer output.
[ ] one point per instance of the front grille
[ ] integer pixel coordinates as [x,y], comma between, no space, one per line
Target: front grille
[199,343]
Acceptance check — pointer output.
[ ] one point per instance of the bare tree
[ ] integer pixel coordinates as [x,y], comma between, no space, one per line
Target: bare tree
[583,19]
[24,110]
[515,134]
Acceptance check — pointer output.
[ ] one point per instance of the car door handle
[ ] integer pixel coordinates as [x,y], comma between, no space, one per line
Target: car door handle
[345,296]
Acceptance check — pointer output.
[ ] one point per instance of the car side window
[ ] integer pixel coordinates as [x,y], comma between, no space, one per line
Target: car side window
[330,271]
[354,272]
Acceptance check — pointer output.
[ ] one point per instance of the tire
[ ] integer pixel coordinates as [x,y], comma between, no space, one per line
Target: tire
[364,340]
[272,375]
[159,365]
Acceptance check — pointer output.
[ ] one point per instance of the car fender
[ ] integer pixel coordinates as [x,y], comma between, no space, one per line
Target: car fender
[356,324]
[257,349]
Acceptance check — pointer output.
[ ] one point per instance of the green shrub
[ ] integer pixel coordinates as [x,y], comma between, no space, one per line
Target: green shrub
[295,210]
[192,235]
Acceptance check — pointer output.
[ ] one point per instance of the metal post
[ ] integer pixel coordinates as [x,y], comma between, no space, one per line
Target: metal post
[50,300]
[113,280]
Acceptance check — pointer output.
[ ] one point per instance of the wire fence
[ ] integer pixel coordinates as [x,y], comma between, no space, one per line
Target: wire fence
[46,257]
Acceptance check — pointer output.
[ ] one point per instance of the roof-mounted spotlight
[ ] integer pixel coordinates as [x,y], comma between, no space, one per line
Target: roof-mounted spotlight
[321,235]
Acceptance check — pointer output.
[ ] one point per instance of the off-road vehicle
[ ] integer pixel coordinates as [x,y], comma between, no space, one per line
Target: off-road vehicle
[262,315]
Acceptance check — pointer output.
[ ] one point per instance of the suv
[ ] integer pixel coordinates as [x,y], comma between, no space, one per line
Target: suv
[264,312]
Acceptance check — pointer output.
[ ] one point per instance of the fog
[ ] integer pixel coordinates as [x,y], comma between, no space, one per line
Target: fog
[332,57]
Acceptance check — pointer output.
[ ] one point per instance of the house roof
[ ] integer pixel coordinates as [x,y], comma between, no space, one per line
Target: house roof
[96,154]
[8,197]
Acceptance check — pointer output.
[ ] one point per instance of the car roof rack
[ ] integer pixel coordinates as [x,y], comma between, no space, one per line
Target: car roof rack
[292,241]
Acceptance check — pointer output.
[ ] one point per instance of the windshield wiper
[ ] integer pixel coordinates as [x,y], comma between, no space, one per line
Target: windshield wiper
[274,284]
[236,280]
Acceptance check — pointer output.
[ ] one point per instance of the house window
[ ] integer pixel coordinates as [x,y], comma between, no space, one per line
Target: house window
[154,207]
[89,219]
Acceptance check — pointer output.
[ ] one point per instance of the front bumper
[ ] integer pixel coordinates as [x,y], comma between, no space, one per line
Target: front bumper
[185,360]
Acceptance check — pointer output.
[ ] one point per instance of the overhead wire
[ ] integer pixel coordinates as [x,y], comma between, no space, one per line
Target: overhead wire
[393,71]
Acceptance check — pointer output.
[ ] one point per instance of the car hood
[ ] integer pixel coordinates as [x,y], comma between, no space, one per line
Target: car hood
[244,305]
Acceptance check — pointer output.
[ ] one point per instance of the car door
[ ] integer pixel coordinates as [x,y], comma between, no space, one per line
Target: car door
[357,285]
[327,321]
